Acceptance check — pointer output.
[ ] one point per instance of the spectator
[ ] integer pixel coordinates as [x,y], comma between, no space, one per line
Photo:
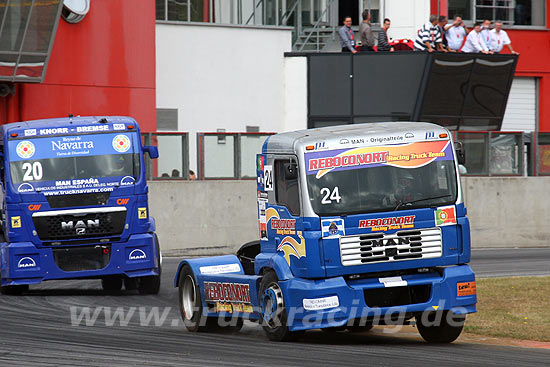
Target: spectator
[455,33]
[500,39]
[383,40]
[192,176]
[366,33]
[474,41]
[347,39]
[165,175]
[175,173]
[441,23]
[486,33]
[429,37]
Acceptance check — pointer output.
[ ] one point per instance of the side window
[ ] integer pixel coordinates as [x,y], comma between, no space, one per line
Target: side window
[286,185]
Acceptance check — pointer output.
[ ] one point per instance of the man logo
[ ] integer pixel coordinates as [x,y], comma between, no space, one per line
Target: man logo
[26,262]
[80,226]
[137,254]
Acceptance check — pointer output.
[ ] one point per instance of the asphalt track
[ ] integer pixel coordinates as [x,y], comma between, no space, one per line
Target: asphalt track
[36,329]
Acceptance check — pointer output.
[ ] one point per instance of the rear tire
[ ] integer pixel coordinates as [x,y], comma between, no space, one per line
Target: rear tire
[111,284]
[442,333]
[190,301]
[273,315]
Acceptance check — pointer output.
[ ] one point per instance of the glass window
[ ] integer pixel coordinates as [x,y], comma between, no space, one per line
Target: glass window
[509,12]
[161,9]
[286,185]
[374,7]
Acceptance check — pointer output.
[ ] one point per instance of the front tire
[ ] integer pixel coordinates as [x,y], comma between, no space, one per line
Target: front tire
[273,315]
[151,284]
[111,284]
[442,332]
[191,302]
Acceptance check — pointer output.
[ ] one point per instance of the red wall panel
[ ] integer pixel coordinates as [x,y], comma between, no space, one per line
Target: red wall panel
[104,65]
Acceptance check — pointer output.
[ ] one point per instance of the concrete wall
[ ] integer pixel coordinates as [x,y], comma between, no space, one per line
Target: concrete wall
[216,217]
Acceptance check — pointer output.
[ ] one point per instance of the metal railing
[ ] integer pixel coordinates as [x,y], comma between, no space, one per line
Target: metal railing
[316,28]
[228,155]
[173,160]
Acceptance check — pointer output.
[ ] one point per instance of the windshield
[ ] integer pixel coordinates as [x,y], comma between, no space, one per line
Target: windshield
[375,179]
[92,160]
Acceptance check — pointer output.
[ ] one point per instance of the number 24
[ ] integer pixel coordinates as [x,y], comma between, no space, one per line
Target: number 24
[328,196]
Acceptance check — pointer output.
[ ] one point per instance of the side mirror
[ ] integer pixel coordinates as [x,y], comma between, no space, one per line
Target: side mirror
[291,171]
[152,150]
[460,153]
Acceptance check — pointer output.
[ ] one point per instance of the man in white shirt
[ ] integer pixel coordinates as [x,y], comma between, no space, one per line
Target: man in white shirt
[474,41]
[455,33]
[500,39]
[486,33]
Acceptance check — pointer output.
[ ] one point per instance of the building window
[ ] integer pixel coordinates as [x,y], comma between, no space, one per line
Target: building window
[509,12]
[373,6]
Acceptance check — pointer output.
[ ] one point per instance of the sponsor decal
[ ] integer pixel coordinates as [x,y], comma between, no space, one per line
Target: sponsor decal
[30,132]
[409,135]
[25,187]
[411,155]
[220,269]
[320,145]
[260,159]
[430,135]
[16,222]
[121,143]
[26,262]
[34,207]
[387,139]
[290,246]
[229,297]
[119,126]
[137,254]
[445,216]
[332,227]
[71,143]
[386,224]
[392,282]
[465,289]
[344,141]
[92,129]
[25,149]
[323,303]
[262,220]
[284,226]
[122,201]
[54,131]
[142,213]
[80,226]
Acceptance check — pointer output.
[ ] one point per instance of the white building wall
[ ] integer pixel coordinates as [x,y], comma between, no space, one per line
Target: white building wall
[221,77]
[295,76]
[407,16]
[521,111]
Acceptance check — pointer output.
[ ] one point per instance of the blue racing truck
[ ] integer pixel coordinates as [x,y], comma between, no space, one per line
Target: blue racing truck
[359,225]
[74,204]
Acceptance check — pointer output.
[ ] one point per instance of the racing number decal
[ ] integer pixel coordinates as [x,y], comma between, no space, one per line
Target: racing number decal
[268,178]
[328,196]
[32,171]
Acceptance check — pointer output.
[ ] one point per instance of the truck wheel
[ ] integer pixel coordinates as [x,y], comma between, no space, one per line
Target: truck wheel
[111,284]
[131,284]
[14,290]
[273,316]
[442,333]
[191,303]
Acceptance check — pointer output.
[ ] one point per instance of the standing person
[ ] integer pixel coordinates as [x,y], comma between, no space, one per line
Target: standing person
[441,24]
[383,41]
[347,38]
[429,37]
[486,34]
[474,41]
[455,33]
[500,39]
[366,33]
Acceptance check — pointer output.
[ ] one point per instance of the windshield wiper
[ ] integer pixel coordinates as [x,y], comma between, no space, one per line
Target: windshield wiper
[401,203]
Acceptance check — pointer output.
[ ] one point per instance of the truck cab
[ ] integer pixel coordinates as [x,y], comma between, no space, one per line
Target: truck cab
[74,204]
[359,225]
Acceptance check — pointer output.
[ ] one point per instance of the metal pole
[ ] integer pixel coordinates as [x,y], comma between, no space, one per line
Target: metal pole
[185,155]
[237,155]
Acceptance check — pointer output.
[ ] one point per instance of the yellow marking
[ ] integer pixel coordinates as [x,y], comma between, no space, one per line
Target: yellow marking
[142,213]
[435,307]
[16,222]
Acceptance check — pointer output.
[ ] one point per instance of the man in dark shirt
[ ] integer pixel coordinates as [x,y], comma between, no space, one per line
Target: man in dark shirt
[366,33]
[383,42]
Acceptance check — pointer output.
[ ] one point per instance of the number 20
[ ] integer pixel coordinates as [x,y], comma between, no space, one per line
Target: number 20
[32,172]
[328,196]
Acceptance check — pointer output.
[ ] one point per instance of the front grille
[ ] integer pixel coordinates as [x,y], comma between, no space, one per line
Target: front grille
[75,200]
[73,224]
[82,258]
[381,247]
[398,296]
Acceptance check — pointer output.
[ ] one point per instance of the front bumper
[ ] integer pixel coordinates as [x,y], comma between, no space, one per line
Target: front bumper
[24,263]
[333,302]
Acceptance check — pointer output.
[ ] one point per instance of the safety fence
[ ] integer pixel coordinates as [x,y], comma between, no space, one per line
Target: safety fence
[232,155]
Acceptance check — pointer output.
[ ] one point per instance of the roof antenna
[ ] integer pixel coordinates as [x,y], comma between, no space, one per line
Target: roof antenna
[70,118]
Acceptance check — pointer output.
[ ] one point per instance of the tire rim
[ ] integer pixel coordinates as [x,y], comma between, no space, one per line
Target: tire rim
[271,305]
[188,297]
